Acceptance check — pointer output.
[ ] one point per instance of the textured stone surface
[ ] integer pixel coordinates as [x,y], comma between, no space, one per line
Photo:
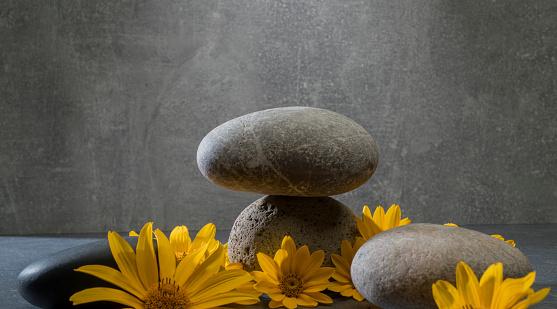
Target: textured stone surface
[321,223]
[104,104]
[295,151]
[396,268]
[49,282]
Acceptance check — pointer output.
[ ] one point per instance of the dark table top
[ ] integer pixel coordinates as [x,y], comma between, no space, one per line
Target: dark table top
[537,242]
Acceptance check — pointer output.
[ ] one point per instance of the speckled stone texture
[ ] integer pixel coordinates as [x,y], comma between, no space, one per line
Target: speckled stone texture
[321,223]
[396,268]
[294,151]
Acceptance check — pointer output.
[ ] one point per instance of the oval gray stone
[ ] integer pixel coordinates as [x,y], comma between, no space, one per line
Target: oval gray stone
[295,151]
[321,223]
[396,268]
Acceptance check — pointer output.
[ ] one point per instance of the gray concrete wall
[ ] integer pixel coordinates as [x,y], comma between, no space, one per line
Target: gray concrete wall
[103,104]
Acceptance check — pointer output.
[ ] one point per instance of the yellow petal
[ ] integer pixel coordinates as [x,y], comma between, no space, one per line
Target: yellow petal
[106,294]
[533,298]
[357,244]
[366,213]
[346,250]
[212,246]
[379,218]
[225,299]
[468,285]
[180,239]
[316,286]
[133,234]
[264,286]
[167,258]
[285,266]
[206,233]
[320,297]
[336,286]
[289,302]
[446,295]
[261,277]
[357,296]
[221,282]
[404,221]
[341,277]
[321,274]
[275,304]
[268,265]
[276,294]
[315,261]
[204,271]
[347,292]
[340,287]
[362,228]
[510,241]
[290,247]
[539,295]
[115,277]
[306,301]
[301,260]
[187,265]
[281,257]
[512,290]
[125,257]
[392,219]
[372,225]
[235,266]
[341,264]
[490,282]
[146,260]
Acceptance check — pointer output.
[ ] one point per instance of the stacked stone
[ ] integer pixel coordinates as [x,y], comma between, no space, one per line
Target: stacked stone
[298,157]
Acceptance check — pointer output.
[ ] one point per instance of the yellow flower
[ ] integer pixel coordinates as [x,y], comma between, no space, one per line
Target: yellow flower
[491,292]
[370,226]
[146,283]
[343,283]
[293,277]
[510,241]
[181,242]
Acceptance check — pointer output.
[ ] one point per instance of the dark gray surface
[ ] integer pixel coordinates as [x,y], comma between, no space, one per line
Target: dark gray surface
[537,242]
[103,104]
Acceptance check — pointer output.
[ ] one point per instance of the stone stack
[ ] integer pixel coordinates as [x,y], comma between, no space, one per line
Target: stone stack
[298,157]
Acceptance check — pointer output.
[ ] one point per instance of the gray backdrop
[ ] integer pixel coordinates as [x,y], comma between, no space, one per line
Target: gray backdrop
[103,104]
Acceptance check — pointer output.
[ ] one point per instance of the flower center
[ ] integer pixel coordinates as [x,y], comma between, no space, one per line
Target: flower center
[166,295]
[291,285]
[180,255]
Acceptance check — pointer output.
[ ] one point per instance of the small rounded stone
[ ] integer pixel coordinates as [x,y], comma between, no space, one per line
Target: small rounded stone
[321,223]
[295,151]
[396,268]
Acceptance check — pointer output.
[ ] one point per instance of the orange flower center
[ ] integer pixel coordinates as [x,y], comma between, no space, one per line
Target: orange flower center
[291,285]
[166,295]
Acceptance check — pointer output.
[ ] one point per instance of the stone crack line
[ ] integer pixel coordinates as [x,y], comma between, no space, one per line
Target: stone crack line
[261,156]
